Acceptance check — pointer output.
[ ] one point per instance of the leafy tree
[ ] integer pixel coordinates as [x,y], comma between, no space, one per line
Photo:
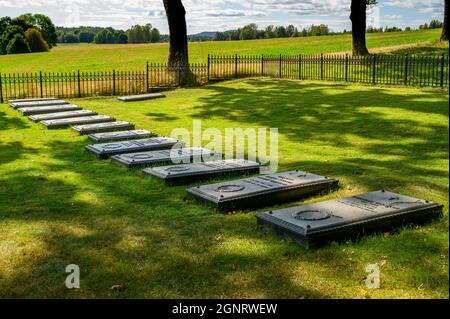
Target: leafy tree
[155,36]
[36,40]
[86,36]
[248,32]
[8,34]
[291,31]
[18,44]
[45,25]
[71,38]
[268,32]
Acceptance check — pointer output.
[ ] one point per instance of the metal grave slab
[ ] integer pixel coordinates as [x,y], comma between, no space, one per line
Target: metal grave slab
[63,123]
[188,173]
[106,150]
[262,190]
[103,127]
[32,100]
[121,135]
[61,115]
[40,103]
[27,111]
[345,218]
[176,155]
[141,97]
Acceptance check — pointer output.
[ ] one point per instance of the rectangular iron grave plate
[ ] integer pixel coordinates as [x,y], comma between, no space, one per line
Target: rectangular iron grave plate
[32,100]
[121,135]
[262,190]
[17,105]
[63,123]
[345,218]
[188,173]
[141,97]
[106,150]
[61,115]
[27,111]
[176,155]
[103,127]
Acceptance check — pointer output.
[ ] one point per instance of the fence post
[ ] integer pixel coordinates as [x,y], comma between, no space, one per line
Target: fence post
[114,82]
[442,70]
[406,69]
[281,60]
[346,67]
[79,83]
[262,64]
[40,84]
[321,66]
[147,73]
[209,68]
[1,89]
[236,66]
[374,69]
[299,66]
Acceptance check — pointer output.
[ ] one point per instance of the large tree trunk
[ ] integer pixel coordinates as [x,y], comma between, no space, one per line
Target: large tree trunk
[176,17]
[444,36]
[358,16]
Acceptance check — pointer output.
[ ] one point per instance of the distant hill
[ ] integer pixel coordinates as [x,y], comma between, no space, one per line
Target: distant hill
[204,34]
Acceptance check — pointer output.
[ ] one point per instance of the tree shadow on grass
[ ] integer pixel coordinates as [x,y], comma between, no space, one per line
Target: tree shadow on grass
[366,141]
[7,122]
[13,151]
[161,117]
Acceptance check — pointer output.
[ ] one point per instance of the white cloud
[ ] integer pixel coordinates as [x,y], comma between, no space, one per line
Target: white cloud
[203,15]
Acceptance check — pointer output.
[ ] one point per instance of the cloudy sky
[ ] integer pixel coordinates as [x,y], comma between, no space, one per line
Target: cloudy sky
[219,15]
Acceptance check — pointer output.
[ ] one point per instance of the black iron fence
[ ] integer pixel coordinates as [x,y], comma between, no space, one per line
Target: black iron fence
[424,71]
[87,84]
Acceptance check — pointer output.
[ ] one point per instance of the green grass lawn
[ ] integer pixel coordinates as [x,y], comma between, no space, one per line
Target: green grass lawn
[59,205]
[91,57]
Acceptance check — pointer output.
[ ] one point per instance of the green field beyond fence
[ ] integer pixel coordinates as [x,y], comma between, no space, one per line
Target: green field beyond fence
[423,71]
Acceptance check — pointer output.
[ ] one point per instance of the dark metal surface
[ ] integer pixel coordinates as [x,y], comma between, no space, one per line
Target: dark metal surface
[103,127]
[344,218]
[187,173]
[106,150]
[262,190]
[176,156]
[26,111]
[141,97]
[61,115]
[62,123]
[121,136]
[39,103]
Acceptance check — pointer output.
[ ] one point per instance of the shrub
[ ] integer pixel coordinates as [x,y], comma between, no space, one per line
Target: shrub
[36,40]
[18,44]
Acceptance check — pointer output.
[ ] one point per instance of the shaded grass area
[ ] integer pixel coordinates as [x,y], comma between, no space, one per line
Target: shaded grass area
[425,49]
[59,205]
[91,57]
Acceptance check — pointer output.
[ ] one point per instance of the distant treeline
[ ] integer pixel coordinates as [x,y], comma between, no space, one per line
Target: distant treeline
[251,32]
[136,34]
[26,33]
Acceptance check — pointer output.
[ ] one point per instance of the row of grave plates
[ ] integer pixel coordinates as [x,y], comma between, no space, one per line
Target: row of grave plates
[168,159]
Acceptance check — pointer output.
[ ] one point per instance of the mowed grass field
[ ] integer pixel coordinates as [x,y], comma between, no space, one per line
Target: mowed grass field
[91,57]
[59,205]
